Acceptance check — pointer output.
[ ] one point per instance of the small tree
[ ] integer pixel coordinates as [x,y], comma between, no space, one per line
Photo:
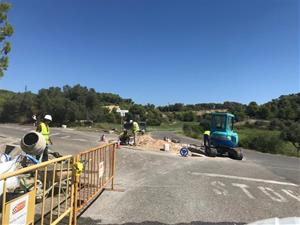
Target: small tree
[6,30]
[292,134]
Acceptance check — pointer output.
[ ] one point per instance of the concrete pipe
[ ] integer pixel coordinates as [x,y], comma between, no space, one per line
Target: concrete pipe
[33,143]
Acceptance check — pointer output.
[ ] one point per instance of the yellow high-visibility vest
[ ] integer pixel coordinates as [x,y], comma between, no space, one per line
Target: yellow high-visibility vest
[135,127]
[207,132]
[45,132]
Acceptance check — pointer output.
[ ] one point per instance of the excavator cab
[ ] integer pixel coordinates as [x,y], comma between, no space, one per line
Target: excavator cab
[223,139]
[222,133]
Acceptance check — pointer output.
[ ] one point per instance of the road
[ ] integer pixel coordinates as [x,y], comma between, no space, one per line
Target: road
[66,141]
[287,167]
[163,188]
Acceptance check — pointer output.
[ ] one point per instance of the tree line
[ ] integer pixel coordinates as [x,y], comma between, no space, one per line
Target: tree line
[73,103]
[69,105]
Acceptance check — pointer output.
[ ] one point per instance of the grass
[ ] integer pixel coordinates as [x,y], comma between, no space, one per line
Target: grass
[251,132]
[175,126]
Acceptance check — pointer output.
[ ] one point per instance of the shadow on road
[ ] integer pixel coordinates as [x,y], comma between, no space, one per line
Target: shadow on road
[90,221]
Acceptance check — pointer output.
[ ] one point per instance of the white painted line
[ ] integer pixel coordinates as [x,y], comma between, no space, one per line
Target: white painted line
[244,188]
[78,139]
[54,134]
[291,194]
[272,194]
[244,178]
[65,137]
[219,190]
[282,168]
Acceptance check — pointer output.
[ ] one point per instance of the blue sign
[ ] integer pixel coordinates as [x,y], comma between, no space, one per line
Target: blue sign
[184,152]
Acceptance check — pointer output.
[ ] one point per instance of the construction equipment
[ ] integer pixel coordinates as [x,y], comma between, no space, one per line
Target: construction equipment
[223,139]
[126,138]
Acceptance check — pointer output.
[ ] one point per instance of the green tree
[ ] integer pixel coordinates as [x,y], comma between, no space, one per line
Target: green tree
[6,30]
[188,116]
[205,124]
[252,109]
[263,112]
[292,134]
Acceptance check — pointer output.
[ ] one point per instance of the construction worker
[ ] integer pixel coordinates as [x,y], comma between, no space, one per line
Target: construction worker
[135,129]
[206,138]
[43,128]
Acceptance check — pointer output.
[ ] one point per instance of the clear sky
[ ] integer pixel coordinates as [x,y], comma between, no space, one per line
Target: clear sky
[158,51]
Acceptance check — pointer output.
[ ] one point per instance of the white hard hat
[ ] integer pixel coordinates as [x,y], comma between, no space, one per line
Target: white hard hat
[48,117]
[130,121]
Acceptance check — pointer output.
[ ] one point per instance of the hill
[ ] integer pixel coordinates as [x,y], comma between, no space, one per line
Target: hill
[70,104]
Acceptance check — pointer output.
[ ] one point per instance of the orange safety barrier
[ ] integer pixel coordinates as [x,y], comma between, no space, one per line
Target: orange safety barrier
[45,194]
[56,191]
[98,171]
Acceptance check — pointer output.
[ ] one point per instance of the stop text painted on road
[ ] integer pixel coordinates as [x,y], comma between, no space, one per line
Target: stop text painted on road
[271,189]
[219,188]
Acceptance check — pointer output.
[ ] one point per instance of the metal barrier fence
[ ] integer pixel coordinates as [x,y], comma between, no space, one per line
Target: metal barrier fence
[45,194]
[98,171]
[56,191]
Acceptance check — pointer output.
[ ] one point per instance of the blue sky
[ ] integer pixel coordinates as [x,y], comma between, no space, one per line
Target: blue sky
[158,51]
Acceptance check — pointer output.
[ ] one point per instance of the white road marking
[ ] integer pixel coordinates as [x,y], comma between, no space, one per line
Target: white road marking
[79,139]
[55,134]
[26,129]
[244,189]
[65,137]
[283,168]
[274,196]
[219,190]
[244,178]
[291,194]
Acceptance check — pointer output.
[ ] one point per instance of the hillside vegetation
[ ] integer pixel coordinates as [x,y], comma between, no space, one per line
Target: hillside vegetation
[277,121]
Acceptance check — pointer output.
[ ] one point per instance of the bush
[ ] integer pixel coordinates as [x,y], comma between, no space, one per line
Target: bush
[261,124]
[263,142]
[292,134]
[194,131]
[205,124]
[276,124]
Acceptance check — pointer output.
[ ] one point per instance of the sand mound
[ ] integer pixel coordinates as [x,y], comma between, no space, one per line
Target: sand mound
[149,143]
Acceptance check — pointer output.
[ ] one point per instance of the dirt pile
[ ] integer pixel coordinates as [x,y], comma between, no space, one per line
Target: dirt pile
[149,143]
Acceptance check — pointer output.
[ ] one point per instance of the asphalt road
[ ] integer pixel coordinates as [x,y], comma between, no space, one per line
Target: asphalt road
[163,188]
[66,141]
[286,167]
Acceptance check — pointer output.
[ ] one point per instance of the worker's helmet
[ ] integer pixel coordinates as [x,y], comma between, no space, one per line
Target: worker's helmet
[130,121]
[48,117]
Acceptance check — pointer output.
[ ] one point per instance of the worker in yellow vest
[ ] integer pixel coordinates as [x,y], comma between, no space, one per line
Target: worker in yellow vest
[135,129]
[44,129]
[206,138]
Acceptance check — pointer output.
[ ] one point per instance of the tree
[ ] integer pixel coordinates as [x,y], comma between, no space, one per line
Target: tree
[252,109]
[6,30]
[205,124]
[188,116]
[292,134]
[263,112]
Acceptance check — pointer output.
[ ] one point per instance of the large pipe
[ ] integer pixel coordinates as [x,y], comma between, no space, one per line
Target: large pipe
[33,143]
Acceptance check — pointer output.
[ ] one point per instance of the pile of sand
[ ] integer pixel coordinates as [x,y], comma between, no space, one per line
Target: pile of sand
[149,143]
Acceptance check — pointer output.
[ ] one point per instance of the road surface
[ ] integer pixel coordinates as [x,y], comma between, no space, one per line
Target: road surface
[163,188]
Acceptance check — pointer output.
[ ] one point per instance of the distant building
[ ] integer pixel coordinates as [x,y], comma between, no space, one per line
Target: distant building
[112,107]
[202,112]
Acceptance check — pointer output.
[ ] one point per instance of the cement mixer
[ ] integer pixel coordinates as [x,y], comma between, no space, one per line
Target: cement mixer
[33,143]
